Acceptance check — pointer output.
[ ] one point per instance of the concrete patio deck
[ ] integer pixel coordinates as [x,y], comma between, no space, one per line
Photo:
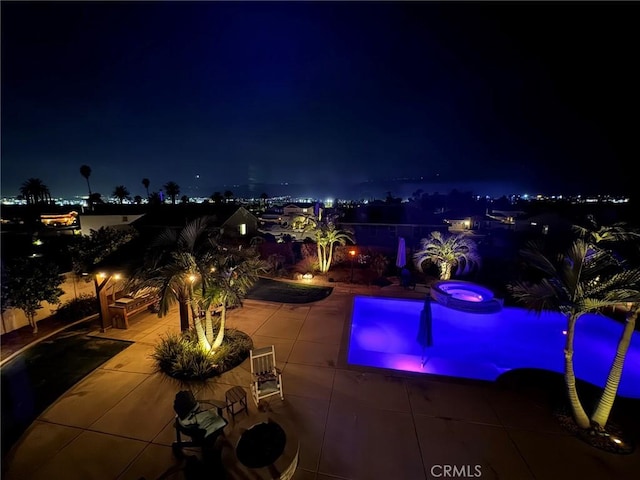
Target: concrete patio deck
[353,423]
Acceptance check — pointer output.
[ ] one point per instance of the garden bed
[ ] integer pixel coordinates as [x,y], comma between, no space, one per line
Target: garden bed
[270,290]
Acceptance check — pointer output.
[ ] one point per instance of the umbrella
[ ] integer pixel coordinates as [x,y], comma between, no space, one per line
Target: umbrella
[425,334]
[401,257]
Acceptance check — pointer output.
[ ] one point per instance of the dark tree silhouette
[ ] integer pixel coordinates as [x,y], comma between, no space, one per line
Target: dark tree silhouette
[146,183]
[121,193]
[85,171]
[173,190]
[35,191]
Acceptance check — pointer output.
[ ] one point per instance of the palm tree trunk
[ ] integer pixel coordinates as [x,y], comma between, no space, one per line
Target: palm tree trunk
[208,325]
[223,319]
[579,415]
[445,271]
[184,316]
[330,257]
[601,415]
[202,338]
[320,259]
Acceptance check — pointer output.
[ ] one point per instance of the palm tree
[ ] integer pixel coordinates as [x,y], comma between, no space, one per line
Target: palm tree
[174,262]
[586,278]
[614,234]
[85,171]
[121,193]
[146,183]
[232,282]
[228,195]
[264,197]
[173,190]
[230,276]
[35,191]
[326,236]
[303,223]
[448,251]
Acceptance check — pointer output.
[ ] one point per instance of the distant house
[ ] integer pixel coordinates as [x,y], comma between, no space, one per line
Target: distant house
[293,210]
[122,221]
[494,220]
[550,222]
[235,221]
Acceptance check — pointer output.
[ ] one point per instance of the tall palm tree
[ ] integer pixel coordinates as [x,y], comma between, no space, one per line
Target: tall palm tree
[146,183]
[447,252]
[85,171]
[327,235]
[173,190]
[121,193]
[586,278]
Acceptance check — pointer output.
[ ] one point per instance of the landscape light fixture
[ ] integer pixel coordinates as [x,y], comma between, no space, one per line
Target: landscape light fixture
[353,254]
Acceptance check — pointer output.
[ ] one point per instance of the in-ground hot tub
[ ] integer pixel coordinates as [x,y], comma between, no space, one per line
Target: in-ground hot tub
[465,296]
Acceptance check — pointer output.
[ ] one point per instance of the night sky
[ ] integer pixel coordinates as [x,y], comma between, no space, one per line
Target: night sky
[538,96]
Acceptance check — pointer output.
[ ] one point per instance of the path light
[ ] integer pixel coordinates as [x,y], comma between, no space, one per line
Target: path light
[353,255]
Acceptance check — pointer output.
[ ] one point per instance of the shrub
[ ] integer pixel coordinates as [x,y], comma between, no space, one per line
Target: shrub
[306,265]
[179,355]
[78,308]
[380,264]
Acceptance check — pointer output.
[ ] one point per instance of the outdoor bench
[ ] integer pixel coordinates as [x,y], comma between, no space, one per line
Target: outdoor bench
[126,307]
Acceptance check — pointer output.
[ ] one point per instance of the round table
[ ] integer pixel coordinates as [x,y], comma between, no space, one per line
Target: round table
[262,447]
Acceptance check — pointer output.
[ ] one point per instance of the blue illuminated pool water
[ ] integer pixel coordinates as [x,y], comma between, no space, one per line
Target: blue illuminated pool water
[483,346]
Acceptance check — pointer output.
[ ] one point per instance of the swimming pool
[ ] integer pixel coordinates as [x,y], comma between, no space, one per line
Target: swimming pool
[384,334]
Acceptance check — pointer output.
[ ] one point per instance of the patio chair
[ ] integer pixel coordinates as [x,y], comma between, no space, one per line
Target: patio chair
[266,379]
[202,426]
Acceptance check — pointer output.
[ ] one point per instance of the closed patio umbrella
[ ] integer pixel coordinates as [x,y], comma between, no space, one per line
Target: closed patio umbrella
[401,257]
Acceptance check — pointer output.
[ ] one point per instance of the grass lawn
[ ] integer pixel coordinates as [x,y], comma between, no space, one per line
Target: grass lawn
[35,378]
[287,292]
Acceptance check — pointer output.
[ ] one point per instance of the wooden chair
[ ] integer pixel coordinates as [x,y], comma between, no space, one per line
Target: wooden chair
[202,426]
[266,379]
